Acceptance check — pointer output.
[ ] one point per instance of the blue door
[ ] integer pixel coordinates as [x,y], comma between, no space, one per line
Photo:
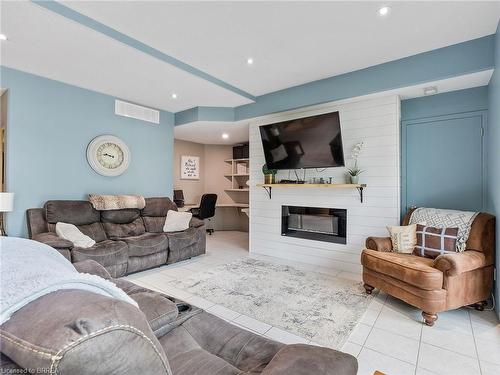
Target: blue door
[442,162]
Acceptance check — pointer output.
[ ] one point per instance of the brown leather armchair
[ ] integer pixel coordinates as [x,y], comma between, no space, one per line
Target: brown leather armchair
[448,282]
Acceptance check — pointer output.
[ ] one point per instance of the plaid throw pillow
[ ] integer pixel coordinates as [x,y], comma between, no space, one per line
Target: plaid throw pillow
[432,242]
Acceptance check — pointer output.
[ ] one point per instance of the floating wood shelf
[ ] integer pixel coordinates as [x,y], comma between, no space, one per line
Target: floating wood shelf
[237,190]
[269,187]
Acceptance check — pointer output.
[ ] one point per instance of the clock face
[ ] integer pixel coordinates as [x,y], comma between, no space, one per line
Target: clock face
[108,155]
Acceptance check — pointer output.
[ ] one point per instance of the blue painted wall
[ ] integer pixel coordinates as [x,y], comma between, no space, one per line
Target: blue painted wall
[493,154]
[462,112]
[49,127]
[475,99]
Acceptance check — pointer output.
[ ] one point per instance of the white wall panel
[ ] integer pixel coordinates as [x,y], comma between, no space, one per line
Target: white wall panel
[376,123]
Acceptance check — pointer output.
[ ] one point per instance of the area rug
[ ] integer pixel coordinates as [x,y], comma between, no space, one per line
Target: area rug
[309,304]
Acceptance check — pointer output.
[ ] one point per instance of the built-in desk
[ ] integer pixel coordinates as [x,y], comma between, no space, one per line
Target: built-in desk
[187,207]
[225,219]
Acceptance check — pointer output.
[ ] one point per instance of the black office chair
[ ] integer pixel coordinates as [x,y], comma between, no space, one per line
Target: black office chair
[206,209]
[179,198]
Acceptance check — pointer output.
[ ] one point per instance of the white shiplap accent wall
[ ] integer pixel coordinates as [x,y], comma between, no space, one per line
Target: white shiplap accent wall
[376,123]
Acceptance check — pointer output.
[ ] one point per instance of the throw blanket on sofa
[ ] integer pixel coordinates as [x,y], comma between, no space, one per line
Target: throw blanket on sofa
[30,269]
[439,218]
[116,202]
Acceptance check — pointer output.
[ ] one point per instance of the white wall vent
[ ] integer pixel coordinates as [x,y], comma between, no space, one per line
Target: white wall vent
[137,111]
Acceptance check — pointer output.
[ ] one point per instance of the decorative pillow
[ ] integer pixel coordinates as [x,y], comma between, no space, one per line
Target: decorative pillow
[403,238]
[177,221]
[432,242]
[71,233]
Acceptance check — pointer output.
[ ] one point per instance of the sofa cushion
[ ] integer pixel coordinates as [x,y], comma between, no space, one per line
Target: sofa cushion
[159,310]
[403,238]
[136,264]
[106,253]
[71,233]
[73,212]
[205,344]
[94,231]
[177,221]
[154,224]
[186,357]
[146,244]
[118,231]
[124,216]
[432,242]
[158,207]
[82,333]
[408,268]
[181,240]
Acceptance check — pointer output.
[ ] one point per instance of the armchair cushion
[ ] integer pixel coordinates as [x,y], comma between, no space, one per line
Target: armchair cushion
[379,243]
[458,263]
[403,238]
[408,268]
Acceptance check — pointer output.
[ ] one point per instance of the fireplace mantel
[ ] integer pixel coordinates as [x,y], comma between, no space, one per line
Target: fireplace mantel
[269,187]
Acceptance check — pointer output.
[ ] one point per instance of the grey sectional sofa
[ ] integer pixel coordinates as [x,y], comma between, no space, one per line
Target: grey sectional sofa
[76,332]
[127,240]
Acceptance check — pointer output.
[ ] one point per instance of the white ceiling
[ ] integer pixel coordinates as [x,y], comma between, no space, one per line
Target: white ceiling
[210,132]
[207,132]
[292,42]
[44,43]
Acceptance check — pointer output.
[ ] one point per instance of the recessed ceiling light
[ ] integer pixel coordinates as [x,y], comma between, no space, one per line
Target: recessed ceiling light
[3,37]
[249,61]
[384,11]
[225,135]
[431,90]
[174,96]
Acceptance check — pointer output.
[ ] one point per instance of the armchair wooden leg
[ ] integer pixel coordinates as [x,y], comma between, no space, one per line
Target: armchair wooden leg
[429,318]
[368,288]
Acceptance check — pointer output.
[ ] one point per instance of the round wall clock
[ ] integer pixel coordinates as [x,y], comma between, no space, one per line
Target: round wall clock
[108,155]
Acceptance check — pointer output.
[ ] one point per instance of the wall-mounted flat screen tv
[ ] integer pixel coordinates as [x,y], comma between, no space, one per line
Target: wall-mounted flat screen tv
[308,142]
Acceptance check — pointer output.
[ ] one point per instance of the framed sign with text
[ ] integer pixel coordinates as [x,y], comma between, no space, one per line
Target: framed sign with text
[190,167]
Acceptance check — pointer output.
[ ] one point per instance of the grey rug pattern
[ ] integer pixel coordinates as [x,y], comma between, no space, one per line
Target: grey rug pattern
[316,307]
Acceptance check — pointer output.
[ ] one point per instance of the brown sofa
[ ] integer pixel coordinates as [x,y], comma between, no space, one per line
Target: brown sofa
[127,240]
[77,332]
[448,282]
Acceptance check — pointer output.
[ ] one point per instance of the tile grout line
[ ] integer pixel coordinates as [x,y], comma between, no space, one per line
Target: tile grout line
[373,325]
[376,351]
[475,344]
[418,350]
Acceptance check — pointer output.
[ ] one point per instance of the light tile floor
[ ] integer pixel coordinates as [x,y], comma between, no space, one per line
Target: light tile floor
[390,336]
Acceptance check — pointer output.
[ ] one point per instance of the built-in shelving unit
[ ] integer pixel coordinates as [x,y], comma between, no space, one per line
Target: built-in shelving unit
[269,187]
[238,175]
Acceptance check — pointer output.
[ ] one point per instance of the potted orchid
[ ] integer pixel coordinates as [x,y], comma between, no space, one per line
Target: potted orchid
[355,171]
